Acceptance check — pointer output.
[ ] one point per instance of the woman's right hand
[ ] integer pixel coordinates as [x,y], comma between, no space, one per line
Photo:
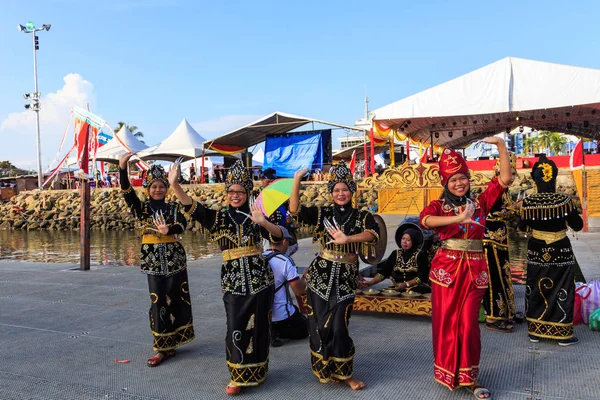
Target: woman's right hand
[173,175]
[124,159]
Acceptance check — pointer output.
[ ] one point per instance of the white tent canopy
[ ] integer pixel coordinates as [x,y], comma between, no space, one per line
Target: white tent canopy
[502,95]
[183,142]
[113,149]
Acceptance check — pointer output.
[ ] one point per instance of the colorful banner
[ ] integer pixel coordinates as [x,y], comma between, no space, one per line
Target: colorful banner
[226,149]
[87,126]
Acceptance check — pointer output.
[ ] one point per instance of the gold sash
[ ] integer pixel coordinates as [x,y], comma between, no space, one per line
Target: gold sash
[463,244]
[549,237]
[336,256]
[247,251]
[154,239]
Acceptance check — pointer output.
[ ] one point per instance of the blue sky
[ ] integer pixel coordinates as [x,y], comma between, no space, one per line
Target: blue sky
[222,64]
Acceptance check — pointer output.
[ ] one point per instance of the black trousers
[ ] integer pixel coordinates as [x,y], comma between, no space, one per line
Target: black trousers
[294,327]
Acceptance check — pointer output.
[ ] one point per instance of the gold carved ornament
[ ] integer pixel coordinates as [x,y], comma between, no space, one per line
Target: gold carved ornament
[393,305]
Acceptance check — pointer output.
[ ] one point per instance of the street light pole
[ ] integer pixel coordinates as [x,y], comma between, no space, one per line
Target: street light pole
[35,96]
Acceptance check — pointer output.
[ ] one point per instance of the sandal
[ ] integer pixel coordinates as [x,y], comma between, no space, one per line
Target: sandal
[160,357]
[499,326]
[519,318]
[480,392]
[232,390]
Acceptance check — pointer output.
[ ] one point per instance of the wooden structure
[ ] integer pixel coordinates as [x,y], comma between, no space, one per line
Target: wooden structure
[407,189]
[393,304]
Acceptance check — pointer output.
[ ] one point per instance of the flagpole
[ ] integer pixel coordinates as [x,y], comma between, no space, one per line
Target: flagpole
[584,194]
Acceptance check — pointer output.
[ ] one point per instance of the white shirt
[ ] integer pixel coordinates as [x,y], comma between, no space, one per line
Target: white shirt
[284,270]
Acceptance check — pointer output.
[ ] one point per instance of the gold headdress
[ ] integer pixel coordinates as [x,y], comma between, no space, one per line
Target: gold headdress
[239,175]
[340,173]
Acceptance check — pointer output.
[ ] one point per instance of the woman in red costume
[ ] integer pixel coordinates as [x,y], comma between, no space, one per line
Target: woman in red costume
[458,273]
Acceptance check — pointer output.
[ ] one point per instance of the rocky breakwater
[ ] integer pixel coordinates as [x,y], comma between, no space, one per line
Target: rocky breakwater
[60,209]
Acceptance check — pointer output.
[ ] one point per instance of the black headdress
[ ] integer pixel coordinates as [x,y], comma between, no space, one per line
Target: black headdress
[340,173]
[155,173]
[238,175]
[544,173]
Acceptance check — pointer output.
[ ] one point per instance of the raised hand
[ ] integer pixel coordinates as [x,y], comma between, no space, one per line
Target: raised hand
[174,172]
[495,140]
[257,215]
[124,159]
[300,173]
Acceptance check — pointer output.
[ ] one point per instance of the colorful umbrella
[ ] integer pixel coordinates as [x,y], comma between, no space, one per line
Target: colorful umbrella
[275,195]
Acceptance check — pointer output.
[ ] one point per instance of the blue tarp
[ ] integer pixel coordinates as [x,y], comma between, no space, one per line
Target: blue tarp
[292,152]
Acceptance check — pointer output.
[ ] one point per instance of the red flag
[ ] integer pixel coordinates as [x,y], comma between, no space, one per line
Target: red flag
[81,141]
[353,162]
[372,152]
[424,157]
[576,161]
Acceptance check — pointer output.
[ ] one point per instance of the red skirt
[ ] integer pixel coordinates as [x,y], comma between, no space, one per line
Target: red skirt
[455,327]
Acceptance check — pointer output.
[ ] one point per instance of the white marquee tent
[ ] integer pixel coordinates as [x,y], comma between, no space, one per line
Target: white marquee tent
[113,149]
[183,142]
[503,95]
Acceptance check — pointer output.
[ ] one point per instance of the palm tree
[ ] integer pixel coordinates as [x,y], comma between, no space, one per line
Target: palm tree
[557,142]
[544,139]
[530,144]
[132,129]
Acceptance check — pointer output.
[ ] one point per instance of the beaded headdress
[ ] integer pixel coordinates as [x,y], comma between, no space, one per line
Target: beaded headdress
[155,173]
[239,175]
[340,173]
[512,158]
[452,163]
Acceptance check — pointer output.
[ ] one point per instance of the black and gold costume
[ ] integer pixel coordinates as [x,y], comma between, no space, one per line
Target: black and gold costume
[163,259]
[407,265]
[550,290]
[332,279]
[499,299]
[246,281]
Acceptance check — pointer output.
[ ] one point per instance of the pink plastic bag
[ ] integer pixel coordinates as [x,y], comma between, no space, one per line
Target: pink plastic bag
[581,293]
[592,301]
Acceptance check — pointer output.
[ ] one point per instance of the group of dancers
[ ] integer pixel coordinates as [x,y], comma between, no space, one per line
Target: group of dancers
[459,277]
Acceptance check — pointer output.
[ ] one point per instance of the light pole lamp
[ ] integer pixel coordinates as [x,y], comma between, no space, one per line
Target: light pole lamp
[35,96]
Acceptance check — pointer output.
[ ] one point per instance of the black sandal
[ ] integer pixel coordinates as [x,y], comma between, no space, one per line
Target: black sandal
[499,326]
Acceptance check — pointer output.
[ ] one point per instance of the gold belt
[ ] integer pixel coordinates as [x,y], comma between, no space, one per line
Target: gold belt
[462,244]
[153,239]
[247,251]
[338,256]
[549,237]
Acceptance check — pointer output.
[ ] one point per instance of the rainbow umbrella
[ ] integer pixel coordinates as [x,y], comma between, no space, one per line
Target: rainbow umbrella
[274,195]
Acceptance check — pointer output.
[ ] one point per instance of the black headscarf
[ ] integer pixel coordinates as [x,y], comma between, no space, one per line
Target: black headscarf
[415,237]
[454,200]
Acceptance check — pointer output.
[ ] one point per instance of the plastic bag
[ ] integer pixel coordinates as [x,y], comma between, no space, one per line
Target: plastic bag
[582,292]
[595,320]
[592,302]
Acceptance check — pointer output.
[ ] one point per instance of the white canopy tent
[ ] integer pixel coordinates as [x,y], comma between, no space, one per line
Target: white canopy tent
[113,149]
[183,142]
[498,97]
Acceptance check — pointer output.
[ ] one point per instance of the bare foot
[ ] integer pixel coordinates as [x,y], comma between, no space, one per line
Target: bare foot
[355,384]
[232,390]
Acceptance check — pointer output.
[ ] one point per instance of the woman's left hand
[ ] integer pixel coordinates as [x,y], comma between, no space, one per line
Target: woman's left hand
[257,215]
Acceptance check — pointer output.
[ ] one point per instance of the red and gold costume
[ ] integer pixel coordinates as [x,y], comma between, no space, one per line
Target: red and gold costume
[459,278]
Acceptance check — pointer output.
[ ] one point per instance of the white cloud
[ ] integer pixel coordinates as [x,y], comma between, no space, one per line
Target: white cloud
[218,126]
[54,115]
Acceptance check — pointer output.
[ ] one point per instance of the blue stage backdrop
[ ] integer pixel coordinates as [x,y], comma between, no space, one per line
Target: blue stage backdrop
[296,150]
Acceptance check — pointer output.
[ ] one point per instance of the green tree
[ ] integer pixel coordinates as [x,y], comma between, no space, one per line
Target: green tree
[530,145]
[132,128]
[557,142]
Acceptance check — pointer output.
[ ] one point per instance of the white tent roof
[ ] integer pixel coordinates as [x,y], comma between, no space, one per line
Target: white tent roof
[488,100]
[183,142]
[113,149]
